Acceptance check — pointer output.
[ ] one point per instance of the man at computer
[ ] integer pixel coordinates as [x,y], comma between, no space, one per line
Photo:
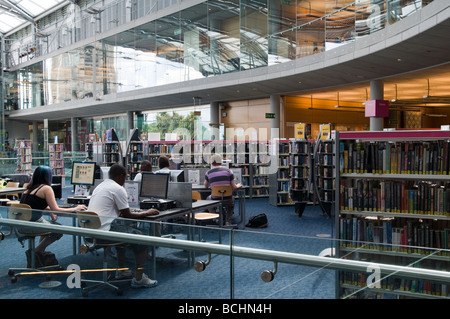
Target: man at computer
[220,175]
[109,200]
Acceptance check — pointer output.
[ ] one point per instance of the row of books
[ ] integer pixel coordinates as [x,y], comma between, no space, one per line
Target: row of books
[299,172]
[399,234]
[430,157]
[422,197]
[299,159]
[300,147]
[284,148]
[283,186]
[58,147]
[392,284]
[58,171]
[56,164]
[260,180]
[112,148]
[56,156]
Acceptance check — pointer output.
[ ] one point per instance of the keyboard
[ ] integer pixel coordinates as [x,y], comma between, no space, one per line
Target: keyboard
[65,205]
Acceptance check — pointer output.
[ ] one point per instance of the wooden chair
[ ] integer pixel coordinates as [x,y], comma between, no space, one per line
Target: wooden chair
[24,212]
[89,219]
[203,218]
[223,191]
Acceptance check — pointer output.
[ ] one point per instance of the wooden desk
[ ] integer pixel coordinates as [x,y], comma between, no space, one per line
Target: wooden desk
[11,190]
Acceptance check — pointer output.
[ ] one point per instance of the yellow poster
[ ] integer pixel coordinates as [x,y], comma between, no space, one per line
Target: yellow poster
[300,130]
[325,131]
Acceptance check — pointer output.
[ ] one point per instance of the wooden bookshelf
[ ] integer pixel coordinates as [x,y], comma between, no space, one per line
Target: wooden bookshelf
[393,206]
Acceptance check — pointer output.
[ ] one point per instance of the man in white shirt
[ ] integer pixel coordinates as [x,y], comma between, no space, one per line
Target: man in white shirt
[109,200]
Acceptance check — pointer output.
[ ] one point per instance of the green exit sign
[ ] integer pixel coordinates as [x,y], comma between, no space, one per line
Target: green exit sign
[270,115]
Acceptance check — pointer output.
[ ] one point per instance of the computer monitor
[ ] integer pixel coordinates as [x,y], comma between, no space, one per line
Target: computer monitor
[154,185]
[177,176]
[83,173]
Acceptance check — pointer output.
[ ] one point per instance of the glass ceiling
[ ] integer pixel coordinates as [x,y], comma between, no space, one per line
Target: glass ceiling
[14,13]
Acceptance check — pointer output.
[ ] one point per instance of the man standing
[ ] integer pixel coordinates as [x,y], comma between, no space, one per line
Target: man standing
[109,200]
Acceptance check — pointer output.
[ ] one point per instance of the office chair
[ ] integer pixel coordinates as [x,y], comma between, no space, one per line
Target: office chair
[24,212]
[89,219]
[227,204]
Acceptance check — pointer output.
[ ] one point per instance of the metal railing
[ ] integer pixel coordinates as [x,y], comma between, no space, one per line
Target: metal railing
[242,252]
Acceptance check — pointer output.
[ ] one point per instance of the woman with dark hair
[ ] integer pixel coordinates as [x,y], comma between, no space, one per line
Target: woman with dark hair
[40,195]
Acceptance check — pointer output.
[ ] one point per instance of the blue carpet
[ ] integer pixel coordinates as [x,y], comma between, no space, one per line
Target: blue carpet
[177,280]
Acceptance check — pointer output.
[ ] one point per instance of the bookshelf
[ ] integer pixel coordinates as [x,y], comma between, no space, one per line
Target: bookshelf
[279,182]
[135,153]
[300,173]
[245,156]
[112,150]
[393,206]
[324,173]
[56,160]
[24,157]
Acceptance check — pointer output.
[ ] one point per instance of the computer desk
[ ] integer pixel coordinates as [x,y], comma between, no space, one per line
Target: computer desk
[199,205]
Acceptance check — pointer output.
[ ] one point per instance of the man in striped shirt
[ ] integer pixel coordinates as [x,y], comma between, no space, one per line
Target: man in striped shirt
[219,175]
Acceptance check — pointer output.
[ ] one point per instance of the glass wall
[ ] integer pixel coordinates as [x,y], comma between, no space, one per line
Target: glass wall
[208,39]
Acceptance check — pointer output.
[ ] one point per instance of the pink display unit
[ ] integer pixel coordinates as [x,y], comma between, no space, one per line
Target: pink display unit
[377,108]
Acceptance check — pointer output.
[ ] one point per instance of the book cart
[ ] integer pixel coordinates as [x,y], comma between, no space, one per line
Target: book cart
[300,173]
[393,207]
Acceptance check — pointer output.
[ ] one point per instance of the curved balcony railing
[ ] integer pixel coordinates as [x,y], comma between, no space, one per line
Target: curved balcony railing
[243,264]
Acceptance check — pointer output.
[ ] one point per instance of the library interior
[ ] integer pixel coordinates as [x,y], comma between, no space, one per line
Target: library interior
[237,149]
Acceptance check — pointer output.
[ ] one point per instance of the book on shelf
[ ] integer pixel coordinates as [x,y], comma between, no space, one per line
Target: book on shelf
[408,197]
[408,157]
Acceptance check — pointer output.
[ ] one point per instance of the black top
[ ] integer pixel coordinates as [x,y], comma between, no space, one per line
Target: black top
[38,204]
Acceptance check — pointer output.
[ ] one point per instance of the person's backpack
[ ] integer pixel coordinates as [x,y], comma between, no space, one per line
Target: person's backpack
[258,221]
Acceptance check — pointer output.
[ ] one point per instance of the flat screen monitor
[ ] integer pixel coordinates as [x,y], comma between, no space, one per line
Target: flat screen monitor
[177,176]
[83,173]
[154,185]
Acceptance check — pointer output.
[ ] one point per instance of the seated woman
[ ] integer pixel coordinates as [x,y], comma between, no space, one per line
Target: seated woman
[40,195]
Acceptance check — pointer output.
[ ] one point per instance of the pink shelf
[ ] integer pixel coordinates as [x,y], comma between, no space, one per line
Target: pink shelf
[395,135]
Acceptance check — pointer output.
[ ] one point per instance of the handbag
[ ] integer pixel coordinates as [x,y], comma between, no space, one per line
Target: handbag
[258,221]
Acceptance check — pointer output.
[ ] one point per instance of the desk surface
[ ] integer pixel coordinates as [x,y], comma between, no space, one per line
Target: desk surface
[11,190]
[198,205]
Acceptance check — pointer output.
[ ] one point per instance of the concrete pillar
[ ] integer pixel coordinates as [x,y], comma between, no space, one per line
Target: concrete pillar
[130,121]
[35,135]
[214,114]
[275,109]
[74,134]
[376,93]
